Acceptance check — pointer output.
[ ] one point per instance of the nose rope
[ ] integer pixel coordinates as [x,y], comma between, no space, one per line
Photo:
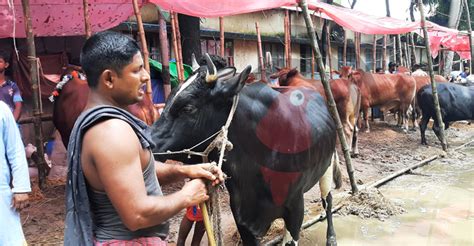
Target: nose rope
[222,143]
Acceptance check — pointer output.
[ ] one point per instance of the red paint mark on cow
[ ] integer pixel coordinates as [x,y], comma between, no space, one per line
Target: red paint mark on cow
[279,183]
[286,128]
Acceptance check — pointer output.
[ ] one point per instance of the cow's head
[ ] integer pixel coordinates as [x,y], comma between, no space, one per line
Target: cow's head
[344,72]
[197,109]
[284,75]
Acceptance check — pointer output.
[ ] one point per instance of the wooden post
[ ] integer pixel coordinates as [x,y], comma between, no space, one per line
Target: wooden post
[399,59]
[344,51]
[165,56]
[263,73]
[180,49]
[175,46]
[394,49]
[43,168]
[440,57]
[406,54]
[221,31]
[287,39]
[312,64]
[87,21]
[328,51]
[412,50]
[146,54]
[384,54]
[433,84]
[330,97]
[357,49]
[469,28]
[374,54]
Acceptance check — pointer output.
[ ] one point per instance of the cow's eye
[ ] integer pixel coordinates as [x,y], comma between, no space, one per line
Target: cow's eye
[189,109]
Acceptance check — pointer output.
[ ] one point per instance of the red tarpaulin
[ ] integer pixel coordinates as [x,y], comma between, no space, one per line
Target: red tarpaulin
[62,17]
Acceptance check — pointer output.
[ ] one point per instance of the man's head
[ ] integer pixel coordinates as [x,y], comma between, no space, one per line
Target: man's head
[392,66]
[4,58]
[114,67]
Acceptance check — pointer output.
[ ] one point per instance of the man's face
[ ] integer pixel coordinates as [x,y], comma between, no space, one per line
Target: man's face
[3,65]
[129,87]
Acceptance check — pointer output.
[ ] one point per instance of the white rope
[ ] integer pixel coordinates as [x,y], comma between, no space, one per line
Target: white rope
[11,5]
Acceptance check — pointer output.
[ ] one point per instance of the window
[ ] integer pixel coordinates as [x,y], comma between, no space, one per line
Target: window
[305,61]
[277,51]
[213,47]
[369,59]
[350,56]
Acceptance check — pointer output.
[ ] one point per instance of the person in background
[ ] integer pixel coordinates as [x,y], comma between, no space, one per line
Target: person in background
[379,70]
[417,71]
[14,179]
[464,73]
[392,67]
[9,91]
[193,216]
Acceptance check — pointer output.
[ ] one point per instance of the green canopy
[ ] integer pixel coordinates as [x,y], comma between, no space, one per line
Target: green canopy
[173,71]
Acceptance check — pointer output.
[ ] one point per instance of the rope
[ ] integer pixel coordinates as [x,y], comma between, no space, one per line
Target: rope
[220,141]
[38,80]
[11,5]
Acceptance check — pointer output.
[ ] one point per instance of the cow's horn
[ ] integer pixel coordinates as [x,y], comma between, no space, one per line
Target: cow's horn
[212,77]
[194,62]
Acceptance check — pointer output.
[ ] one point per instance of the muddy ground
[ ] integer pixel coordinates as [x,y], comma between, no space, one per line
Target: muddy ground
[383,151]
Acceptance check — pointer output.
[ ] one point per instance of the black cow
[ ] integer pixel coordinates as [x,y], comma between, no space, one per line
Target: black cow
[283,143]
[456,102]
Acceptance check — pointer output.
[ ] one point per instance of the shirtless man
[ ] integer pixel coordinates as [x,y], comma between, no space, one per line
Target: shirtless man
[120,199]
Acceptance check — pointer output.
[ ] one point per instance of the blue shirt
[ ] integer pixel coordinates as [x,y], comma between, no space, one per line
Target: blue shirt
[10,94]
[13,170]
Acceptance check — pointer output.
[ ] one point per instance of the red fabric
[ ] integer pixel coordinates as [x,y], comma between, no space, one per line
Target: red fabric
[62,17]
[155,241]
[279,183]
[194,213]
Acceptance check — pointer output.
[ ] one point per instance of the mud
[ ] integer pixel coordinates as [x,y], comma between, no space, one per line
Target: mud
[383,151]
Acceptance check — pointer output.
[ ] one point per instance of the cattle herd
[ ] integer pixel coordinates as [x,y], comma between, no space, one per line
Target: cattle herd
[283,138]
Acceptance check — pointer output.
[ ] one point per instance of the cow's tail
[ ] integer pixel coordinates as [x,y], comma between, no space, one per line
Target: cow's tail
[336,172]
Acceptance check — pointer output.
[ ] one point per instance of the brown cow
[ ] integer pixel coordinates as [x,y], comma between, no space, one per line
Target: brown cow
[390,91]
[72,98]
[346,95]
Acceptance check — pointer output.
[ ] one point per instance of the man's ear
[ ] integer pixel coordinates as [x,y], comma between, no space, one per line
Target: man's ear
[108,77]
[7,64]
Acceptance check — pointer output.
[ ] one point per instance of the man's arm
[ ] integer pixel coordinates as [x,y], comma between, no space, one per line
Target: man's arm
[17,111]
[169,173]
[114,150]
[16,158]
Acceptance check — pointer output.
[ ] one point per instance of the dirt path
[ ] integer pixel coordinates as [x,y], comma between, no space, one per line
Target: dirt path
[382,151]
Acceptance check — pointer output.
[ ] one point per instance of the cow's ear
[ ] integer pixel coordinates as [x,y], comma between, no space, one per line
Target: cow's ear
[226,73]
[336,72]
[291,73]
[231,86]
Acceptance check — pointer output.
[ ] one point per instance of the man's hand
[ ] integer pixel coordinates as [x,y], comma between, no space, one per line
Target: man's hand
[195,192]
[208,171]
[19,201]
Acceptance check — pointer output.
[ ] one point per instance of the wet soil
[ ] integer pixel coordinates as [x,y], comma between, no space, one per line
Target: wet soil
[383,151]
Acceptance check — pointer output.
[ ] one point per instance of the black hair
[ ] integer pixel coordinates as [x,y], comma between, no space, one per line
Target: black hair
[107,50]
[4,55]
[378,70]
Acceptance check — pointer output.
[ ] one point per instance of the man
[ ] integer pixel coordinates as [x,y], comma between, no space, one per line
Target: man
[392,67]
[417,71]
[464,73]
[14,179]
[113,194]
[9,91]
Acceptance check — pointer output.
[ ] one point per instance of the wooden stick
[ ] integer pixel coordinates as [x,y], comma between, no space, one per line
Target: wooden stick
[433,84]
[289,39]
[175,45]
[207,224]
[384,54]
[412,49]
[394,49]
[180,49]
[357,43]
[43,168]
[87,21]
[221,31]
[328,52]
[399,59]
[146,54]
[164,47]
[29,120]
[330,98]
[263,73]
[469,28]
[344,51]
[287,50]
[312,64]
[374,54]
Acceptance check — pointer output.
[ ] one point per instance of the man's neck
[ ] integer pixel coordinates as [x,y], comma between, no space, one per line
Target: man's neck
[2,78]
[95,99]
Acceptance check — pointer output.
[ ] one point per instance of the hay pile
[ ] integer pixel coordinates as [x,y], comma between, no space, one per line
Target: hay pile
[370,203]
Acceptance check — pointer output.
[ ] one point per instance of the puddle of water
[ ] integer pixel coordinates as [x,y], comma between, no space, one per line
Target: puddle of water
[439,209]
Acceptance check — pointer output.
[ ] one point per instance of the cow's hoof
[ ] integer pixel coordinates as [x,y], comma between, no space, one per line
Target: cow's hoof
[331,241]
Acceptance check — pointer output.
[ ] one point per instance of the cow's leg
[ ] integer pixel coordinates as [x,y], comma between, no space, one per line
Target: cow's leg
[246,235]
[293,218]
[366,119]
[423,125]
[325,185]
[355,142]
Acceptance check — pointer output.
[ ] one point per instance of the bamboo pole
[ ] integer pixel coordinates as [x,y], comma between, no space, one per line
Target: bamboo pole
[207,224]
[221,31]
[399,59]
[412,50]
[469,28]
[43,168]
[175,45]
[433,84]
[357,49]
[344,51]
[374,54]
[87,21]
[165,56]
[180,49]
[263,72]
[406,54]
[330,97]
[394,49]
[146,54]
[440,57]
[312,64]
[287,40]
[384,54]
[328,51]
